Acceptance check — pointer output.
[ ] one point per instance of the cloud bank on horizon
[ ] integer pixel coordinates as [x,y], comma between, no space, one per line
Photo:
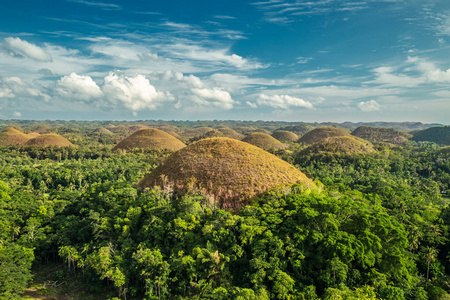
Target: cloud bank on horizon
[264,60]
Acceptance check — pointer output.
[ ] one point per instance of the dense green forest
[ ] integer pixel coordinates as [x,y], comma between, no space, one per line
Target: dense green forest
[73,222]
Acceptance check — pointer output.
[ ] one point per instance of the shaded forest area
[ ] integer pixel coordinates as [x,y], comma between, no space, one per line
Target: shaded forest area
[75,225]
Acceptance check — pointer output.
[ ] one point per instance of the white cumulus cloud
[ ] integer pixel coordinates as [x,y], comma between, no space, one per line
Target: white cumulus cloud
[30,50]
[79,87]
[213,97]
[136,93]
[281,101]
[370,105]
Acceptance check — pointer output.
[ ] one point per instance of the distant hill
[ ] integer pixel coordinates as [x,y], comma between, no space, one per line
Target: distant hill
[47,140]
[210,134]
[264,141]
[381,135]
[150,138]
[438,135]
[103,130]
[339,145]
[285,136]
[231,133]
[298,129]
[229,171]
[318,134]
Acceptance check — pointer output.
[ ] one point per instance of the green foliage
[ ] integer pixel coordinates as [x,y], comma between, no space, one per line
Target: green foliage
[376,227]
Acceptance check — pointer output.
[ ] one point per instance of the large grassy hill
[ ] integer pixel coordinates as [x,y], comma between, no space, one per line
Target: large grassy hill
[229,171]
[10,136]
[150,138]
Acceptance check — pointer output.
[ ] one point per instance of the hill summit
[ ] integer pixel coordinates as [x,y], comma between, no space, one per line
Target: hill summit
[381,135]
[318,134]
[227,170]
[150,138]
[340,145]
[10,136]
[47,140]
[263,140]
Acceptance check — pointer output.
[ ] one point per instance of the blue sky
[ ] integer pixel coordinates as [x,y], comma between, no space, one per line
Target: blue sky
[297,60]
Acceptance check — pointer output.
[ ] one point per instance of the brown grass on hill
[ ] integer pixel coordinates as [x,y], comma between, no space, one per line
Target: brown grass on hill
[33,135]
[318,134]
[285,136]
[340,145]
[49,139]
[382,135]
[150,138]
[262,130]
[229,171]
[263,141]
[231,133]
[10,136]
[102,130]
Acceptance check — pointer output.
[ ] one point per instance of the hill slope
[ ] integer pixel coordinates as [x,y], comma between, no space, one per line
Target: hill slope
[285,136]
[229,171]
[381,135]
[263,141]
[49,139]
[318,134]
[150,138]
[438,135]
[339,145]
[10,136]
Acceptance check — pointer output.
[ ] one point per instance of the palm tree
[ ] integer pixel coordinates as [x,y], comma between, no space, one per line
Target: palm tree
[430,255]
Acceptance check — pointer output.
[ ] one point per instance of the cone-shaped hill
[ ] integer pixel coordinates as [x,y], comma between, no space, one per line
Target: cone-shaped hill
[318,134]
[47,140]
[339,145]
[231,133]
[10,136]
[285,136]
[381,135]
[150,138]
[103,130]
[438,135]
[263,141]
[230,171]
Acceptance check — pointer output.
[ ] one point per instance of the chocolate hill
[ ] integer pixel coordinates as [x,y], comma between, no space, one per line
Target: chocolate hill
[150,138]
[231,133]
[339,145]
[229,171]
[285,136]
[263,141]
[47,140]
[381,135]
[10,136]
[318,134]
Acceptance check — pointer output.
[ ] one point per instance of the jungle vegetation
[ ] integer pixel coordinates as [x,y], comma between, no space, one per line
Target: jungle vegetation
[74,221]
